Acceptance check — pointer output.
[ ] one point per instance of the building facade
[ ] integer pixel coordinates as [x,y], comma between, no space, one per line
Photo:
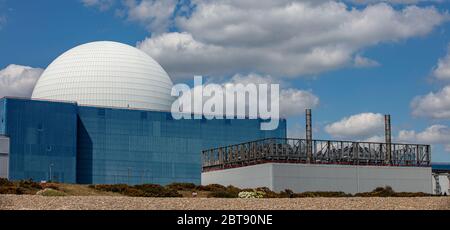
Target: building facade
[65,142]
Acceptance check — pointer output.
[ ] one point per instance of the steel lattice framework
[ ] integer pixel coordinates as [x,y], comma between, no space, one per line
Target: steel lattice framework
[290,150]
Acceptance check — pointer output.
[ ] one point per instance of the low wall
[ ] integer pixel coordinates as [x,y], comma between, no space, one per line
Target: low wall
[308,177]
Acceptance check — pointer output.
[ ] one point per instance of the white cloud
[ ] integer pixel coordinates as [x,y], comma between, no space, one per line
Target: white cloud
[282,38]
[433,105]
[292,101]
[435,134]
[376,138]
[361,61]
[360,126]
[18,81]
[394,1]
[442,70]
[155,14]
[103,5]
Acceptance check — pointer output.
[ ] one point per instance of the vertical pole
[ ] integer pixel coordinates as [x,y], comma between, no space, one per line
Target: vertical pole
[387,135]
[309,135]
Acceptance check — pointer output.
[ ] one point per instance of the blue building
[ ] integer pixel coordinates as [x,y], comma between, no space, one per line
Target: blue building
[69,143]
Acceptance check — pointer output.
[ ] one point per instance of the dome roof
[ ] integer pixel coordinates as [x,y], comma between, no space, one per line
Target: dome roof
[106,74]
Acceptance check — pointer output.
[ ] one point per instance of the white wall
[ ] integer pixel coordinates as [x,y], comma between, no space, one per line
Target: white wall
[307,177]
[4,157]
[245,177]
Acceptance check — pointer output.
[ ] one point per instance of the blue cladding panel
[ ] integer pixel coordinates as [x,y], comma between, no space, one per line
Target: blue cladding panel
[42,134]
[106,145]
[132,146]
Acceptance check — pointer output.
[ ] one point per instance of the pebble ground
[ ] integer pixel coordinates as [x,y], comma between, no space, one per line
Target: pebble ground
[36,202]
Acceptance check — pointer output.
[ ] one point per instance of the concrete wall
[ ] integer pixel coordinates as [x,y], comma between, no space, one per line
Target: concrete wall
[4,157]
[304,177]
[246,177]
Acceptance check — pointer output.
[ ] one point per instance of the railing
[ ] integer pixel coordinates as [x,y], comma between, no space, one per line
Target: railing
[323,152]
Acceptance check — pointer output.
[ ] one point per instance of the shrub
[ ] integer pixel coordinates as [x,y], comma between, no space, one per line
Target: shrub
[5,182]
[378,192]
[29,184]
[145,190]
[212,188]
[154,190]
[287,193]
[321,194]
[50,192]
[222,194]
[19,188]
[50,185]
[11,190]
[389,192]
[251,194]
[118,188]
[268,193]
[182,186]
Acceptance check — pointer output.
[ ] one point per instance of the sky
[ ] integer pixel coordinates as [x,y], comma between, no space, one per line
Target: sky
[350,61]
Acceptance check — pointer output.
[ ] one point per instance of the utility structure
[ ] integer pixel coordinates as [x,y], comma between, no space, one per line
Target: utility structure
[308,135]
[309,164]
[313,151]
[388,139]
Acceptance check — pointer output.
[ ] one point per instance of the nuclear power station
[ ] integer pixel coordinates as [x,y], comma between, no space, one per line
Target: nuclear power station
[100,114]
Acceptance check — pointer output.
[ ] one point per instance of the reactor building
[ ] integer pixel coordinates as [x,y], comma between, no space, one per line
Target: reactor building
[100,114]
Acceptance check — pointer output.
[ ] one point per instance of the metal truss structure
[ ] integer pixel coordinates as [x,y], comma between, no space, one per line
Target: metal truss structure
[290,150]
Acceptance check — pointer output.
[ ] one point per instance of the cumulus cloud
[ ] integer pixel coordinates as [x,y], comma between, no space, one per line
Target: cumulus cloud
[434,105]
[154,14]
[435,134]
[103,5]
[376,138]
[18,81]
[292,101]
[361,61]
[442,70]
[282,38]
[394,1]
[359,126]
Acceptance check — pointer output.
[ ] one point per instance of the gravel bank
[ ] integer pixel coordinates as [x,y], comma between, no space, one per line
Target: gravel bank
[108,202]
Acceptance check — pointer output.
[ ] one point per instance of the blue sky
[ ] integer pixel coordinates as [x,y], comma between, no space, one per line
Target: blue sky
[357,69]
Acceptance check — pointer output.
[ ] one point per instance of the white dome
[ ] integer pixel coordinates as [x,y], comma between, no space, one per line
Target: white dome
[106,74]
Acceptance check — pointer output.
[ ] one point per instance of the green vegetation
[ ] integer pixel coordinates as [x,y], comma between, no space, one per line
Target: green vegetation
[389,192]
[176,190]
[19,187]
[182,186]
[145,190]
[219,191]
